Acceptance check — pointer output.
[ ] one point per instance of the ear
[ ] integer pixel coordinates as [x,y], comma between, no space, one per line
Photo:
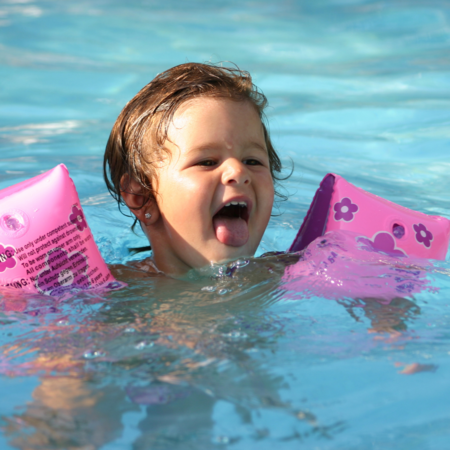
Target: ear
[133,195]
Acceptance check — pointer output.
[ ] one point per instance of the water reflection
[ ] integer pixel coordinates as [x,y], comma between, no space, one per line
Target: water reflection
[177,352]
[68,413]
[385,317]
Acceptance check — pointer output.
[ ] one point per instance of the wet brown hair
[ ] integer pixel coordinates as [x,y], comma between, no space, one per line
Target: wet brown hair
[133,151]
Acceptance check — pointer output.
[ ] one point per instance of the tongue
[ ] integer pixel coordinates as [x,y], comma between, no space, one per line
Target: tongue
[231,230]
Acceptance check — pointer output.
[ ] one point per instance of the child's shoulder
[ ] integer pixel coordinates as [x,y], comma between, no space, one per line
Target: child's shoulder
[136,269]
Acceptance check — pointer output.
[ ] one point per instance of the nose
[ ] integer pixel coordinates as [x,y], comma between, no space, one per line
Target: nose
[235,172]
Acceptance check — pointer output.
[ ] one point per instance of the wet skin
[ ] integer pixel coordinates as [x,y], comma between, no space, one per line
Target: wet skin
[217,156]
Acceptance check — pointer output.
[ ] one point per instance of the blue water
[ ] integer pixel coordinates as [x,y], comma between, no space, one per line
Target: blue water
[359,88]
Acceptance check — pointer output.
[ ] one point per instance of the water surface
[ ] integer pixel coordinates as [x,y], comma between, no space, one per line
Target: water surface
[359,88]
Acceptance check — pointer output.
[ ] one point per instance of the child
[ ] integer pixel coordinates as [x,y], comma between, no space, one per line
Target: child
[192,159]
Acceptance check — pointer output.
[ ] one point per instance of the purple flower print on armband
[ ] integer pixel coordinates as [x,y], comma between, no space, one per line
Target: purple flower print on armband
[7,260]
[381,242]
[77,218]
[345,210]
[63,272]
[423,236]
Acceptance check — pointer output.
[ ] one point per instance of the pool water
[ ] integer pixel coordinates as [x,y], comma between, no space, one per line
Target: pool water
[356,87]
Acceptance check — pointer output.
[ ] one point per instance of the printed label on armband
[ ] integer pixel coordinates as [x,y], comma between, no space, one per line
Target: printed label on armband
[7,257]
[55,261]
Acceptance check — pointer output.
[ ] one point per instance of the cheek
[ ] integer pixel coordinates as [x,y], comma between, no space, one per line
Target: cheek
[182,197]
[268,192]
[172,187]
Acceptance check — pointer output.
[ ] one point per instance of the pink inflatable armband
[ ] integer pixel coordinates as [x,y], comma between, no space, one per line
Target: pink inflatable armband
[46,245]
[343,264]
[386,226]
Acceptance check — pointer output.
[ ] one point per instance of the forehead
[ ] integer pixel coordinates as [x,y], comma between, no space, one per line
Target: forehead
[207,104]
[222,120]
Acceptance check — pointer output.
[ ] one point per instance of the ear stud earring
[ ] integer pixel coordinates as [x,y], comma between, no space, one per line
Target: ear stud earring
[148,215]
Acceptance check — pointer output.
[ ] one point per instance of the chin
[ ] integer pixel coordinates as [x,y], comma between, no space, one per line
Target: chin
[233,253]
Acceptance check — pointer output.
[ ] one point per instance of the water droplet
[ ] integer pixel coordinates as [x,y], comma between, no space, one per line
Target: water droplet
[143,344]
[222,291]
[93,354]
[62,322]
[242,262]
[129,330]
[209,288]
[236,335]
[222,439]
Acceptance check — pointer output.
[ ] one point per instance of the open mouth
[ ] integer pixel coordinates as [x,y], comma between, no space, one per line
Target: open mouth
[231,224]
[234,210]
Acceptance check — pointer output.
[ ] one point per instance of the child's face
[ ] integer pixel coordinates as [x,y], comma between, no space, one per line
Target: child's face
[218,157]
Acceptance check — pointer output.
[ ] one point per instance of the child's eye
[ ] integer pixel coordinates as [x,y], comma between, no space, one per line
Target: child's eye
[252,162]
[207,163]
